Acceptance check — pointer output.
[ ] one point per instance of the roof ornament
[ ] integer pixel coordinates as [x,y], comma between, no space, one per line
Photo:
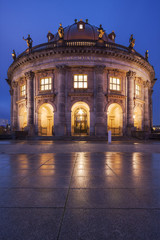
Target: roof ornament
[101,31]
[75,20]
[146,55]
[61,31]
[132,42]
[50,36]
[86,20]
[14,55]
[29,41]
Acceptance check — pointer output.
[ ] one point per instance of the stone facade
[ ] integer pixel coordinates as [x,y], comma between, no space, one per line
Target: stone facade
[117,96]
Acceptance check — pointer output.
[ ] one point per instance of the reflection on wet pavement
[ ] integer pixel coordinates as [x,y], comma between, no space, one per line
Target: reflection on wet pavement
[113,194]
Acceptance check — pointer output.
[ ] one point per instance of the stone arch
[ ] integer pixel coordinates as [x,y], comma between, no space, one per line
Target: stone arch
[115,118]
[45,119]
[138,117]
[80,118]
[22,116]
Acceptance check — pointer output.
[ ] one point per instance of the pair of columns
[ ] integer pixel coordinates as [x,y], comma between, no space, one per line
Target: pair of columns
[130,102]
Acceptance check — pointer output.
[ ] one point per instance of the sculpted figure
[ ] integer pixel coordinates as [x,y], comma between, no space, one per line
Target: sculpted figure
[131,41]
[101,31]
[14,55]
[29,41]
[61,31]
[146,55]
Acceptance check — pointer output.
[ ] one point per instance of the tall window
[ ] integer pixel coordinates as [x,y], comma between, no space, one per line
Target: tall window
[23,90]
[80,81]
[138,90]
[45,84]
[115,84]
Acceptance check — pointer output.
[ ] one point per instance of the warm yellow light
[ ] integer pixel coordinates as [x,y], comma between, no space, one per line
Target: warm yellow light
[134,116]
[80,112]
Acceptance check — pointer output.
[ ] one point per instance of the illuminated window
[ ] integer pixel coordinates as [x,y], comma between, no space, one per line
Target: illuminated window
[115,84]
[80,81]
[80,26]
[46,84]
[138,89]
[23,90]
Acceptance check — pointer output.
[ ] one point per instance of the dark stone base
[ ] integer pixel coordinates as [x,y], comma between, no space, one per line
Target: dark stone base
[60,130]
[100,130]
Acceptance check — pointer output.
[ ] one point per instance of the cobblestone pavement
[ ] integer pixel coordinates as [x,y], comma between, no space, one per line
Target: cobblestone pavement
[79,191]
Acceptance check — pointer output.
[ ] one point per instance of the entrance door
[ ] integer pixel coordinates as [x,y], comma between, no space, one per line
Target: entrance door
[80,122]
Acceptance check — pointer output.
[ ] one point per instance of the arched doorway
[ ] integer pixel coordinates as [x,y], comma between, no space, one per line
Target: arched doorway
[115,119]
[138,118]
[80,119]
[45,120]
[22,118]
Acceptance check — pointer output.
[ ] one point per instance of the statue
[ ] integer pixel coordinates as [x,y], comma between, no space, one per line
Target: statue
[131,41]
[61,31]
[101,31]
[14,55]
[50,36]
[29,41]
[146,55]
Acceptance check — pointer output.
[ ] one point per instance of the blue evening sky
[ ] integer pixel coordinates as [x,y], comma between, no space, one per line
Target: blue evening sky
[19,18]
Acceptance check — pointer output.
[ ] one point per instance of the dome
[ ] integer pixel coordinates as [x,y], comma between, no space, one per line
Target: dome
[82,31]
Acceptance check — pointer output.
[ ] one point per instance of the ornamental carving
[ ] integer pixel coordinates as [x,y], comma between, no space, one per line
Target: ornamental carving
[61,68]
[29,75]
[99,68]
[130,74]
[21,81]
[147,84]
[14,84]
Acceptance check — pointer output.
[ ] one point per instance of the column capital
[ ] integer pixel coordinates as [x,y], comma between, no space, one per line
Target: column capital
[99,68]
[130,74]
[61,68]
[14,84]
[147,84]
[29,75]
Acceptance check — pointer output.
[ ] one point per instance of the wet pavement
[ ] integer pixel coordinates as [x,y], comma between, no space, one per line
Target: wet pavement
[79,195]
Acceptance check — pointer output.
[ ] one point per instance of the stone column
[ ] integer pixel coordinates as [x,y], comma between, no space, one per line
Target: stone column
[130,100]
[60,127]
[14,106]
[146,106]
[150,107]
[30,102]
[100,126]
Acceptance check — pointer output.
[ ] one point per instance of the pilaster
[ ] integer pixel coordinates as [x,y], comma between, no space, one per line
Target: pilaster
[130,100]
[14,111]
[100,127]
[60,126]
[30,102]
[146,106]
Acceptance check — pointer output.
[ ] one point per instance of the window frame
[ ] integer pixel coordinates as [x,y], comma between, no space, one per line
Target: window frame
[80,82]
[22,91]
[137,90]
[45,84]
[115,84]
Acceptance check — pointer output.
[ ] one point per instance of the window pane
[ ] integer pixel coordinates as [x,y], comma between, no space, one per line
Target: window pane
[42,87]
[42,81]
[114,80]
[111,86]
[118,81]
[111,80]
[114,87]
[80,85]
[85,78]
[85,84]
[80,78]
[75,77]
[49,87]
[75,85]
[46,81]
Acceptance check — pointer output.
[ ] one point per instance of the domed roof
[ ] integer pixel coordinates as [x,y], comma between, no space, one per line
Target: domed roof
[82,31]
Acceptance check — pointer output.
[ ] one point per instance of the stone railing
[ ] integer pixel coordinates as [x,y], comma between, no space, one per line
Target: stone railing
[80,43]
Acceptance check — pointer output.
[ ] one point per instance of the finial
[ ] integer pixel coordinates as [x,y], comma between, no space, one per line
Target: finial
[86,20]
[61,31]
[29,41]
[75,20]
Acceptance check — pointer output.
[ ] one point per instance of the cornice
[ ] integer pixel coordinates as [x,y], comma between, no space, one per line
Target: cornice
[106,52]
[52,95]
[116,96]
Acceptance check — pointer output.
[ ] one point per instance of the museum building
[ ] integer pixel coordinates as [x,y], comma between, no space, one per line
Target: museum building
[81,83]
